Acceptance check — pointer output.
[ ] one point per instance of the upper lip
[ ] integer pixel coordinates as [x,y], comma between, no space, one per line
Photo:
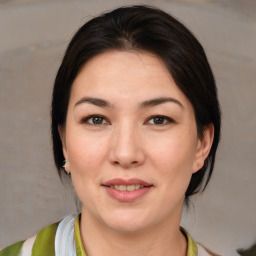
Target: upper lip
[126,182]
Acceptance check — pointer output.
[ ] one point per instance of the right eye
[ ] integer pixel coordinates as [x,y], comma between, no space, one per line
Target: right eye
[94,120]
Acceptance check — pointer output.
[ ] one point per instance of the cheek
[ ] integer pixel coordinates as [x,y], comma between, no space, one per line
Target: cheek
[85,151]
[86,156]
[173,159]
[175,150]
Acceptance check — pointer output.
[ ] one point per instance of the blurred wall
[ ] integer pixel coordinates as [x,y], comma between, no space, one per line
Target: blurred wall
[33,36]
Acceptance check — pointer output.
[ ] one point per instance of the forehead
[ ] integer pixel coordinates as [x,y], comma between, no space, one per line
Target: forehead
[126,74]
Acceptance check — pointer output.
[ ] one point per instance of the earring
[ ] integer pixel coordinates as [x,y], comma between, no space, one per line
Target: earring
[65,165]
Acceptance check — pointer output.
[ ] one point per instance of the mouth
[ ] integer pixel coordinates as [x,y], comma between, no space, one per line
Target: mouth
[128,187]
[127,190]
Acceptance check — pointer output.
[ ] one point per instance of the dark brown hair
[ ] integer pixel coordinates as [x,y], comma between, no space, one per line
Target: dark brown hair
[144,28]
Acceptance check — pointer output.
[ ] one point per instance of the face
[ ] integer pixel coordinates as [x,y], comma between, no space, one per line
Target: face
[131,141]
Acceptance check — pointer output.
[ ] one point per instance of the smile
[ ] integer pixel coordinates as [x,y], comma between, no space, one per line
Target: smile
[127,188]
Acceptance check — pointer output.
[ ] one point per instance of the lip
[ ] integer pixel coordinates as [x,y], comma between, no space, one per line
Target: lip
[127,196]
[133,181]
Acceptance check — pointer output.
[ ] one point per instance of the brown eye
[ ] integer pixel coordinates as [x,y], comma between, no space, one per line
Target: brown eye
[95,120]
[160,120]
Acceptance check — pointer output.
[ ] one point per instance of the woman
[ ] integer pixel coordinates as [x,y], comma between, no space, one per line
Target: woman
[136,125]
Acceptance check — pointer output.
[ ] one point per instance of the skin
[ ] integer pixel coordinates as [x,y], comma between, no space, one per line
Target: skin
[126,142]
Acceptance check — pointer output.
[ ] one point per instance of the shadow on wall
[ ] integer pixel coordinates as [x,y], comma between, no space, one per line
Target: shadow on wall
[248,252]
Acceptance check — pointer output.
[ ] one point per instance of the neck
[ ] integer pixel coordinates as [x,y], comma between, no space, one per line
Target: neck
[162,239]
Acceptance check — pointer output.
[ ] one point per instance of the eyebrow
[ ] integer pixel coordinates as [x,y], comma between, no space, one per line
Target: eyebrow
[95,101]
[158,101]
[148,103]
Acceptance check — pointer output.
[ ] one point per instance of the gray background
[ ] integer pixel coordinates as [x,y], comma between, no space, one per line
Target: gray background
[33,36]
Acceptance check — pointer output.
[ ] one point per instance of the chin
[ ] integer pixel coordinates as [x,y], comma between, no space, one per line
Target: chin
[127,223]
[127,228]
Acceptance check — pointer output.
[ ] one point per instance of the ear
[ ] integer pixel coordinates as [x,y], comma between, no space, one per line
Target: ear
[61,131]
[204,145]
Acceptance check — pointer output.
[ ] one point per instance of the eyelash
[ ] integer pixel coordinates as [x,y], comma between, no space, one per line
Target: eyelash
[85,120]
[166,119]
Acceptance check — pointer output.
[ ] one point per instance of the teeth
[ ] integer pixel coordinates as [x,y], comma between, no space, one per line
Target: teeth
[121,187]
[130,188]
[127,188]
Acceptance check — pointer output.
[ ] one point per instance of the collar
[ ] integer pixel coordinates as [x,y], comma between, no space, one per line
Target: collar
[192,247]
[79,245]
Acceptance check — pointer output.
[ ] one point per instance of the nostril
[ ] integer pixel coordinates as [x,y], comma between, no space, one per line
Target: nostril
[125,164]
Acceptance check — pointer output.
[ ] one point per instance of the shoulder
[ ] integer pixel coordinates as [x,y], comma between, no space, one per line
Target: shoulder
[42,241]
[203,251]
[196,248]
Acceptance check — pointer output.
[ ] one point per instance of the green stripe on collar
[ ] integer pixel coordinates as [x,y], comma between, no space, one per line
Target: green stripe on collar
[12,250]
[45,241]
[192,247]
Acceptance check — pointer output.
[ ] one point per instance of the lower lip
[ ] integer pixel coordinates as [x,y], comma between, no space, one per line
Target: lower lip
[127,196]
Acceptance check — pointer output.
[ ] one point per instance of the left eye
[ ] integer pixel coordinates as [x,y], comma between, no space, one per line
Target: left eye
[160,120]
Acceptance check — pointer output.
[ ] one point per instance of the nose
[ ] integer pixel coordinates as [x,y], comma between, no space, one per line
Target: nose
[127,147]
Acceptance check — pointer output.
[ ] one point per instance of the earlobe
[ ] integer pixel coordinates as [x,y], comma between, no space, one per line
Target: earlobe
[203,147]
